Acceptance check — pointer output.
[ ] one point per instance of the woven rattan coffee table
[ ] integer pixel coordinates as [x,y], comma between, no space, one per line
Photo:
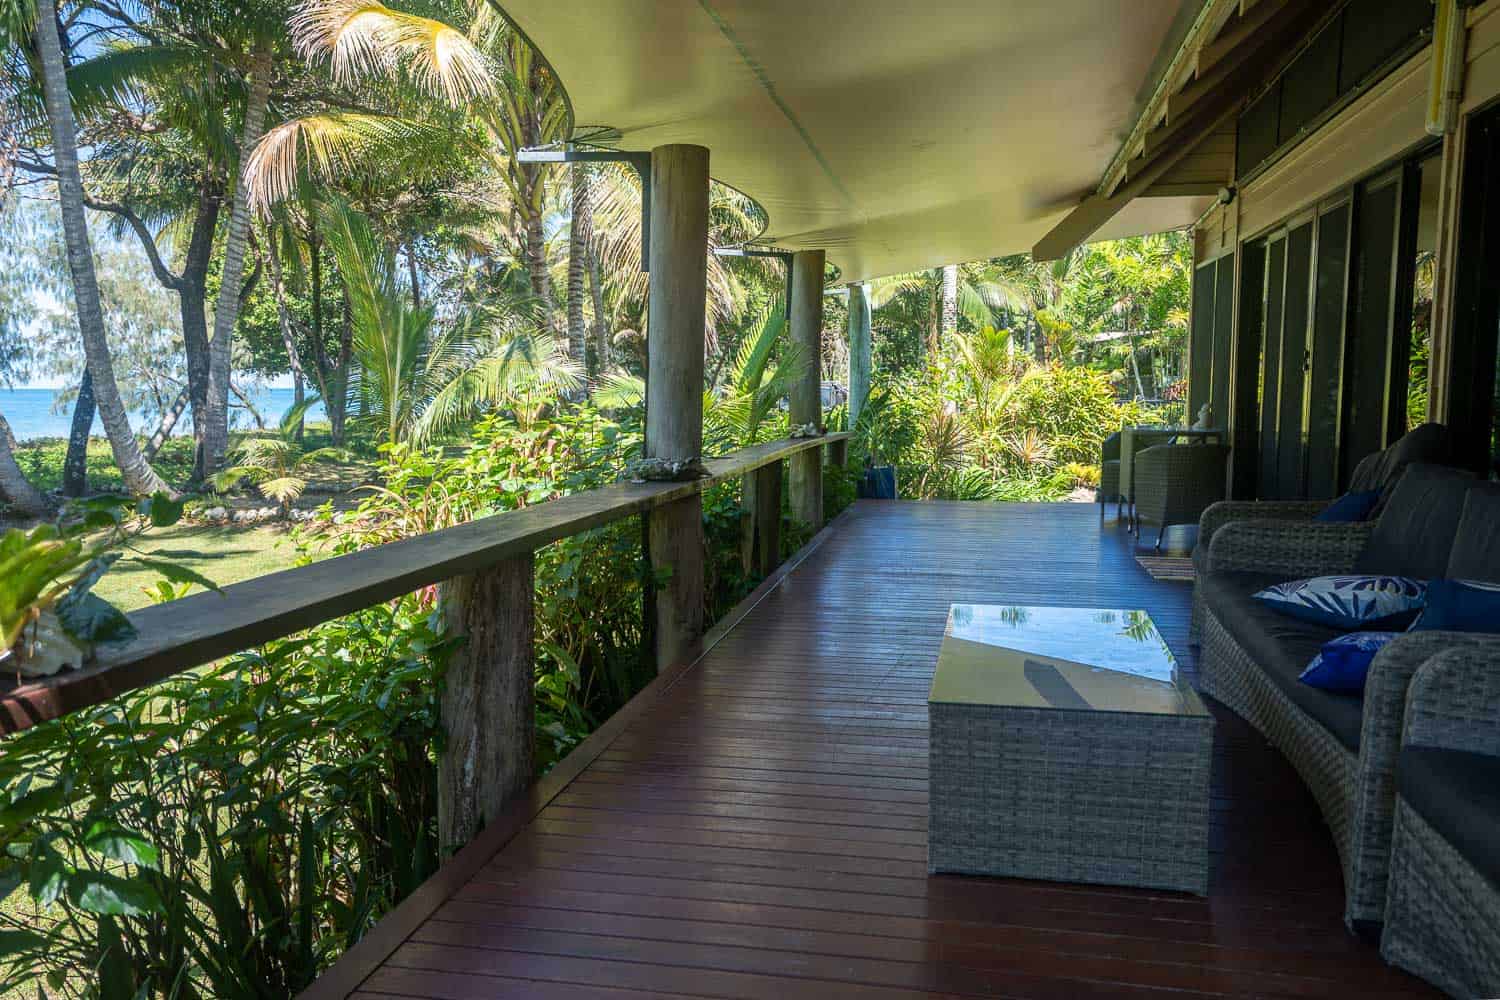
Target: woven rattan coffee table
[1065,746]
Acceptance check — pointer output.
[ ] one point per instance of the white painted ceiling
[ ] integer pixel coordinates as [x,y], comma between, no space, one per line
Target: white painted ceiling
[895,135]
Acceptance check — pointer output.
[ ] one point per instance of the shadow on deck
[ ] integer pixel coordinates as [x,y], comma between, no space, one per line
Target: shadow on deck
[760,829]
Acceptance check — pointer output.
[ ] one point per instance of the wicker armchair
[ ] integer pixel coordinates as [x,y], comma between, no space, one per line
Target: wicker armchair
[1175,483]
[1109,475]
[1355,790]
[1442,915]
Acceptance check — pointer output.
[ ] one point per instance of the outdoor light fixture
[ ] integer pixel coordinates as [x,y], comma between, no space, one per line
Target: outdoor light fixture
[640,161]
[785,256]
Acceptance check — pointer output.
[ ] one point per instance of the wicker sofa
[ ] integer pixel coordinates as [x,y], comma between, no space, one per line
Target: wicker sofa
[1344,746]
[1442,915]
[1429,443]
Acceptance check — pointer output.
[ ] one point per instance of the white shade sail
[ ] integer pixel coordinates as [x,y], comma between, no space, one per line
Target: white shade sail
[895,135]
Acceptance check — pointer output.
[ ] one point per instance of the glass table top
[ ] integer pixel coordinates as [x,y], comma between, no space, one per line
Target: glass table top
[1080,659]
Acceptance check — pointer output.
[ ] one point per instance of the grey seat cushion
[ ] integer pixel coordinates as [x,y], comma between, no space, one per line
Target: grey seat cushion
[1414,534]
[1282,646]
[1458,794]
[1431,444]
[1476,546]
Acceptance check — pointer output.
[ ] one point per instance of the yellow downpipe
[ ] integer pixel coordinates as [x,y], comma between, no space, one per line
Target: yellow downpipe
[1445,88]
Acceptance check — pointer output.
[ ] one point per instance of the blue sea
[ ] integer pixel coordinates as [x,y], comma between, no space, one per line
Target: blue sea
[31,413]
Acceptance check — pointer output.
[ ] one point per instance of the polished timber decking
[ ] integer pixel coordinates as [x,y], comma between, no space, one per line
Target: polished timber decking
[760,831]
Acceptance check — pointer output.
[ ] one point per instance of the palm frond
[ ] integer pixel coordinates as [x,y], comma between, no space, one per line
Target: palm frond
[366,38]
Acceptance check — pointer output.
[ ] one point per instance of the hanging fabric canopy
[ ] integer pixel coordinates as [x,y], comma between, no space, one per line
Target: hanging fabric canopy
[895,135]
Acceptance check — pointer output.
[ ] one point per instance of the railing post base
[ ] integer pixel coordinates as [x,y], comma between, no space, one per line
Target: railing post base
[676,533]
[488,698]
[762,505]
[806,481]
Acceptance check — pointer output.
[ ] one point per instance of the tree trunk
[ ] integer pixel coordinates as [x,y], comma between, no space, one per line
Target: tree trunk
[580,232]
[15,488]
[950,303]
[288,334]
[76,464]
[1135,364]
[168,421]
[236,240]
[411,271]
[138,476]
[536,261]
[601,321]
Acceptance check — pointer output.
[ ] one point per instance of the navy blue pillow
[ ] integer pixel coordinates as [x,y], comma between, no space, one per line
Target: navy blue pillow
[1460,606]
[1350,507]
[1344,663]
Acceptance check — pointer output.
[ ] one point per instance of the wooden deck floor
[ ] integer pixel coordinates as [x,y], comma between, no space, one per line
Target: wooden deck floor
[761,830]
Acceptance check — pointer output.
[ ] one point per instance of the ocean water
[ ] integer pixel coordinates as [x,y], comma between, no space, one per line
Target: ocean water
[31,414]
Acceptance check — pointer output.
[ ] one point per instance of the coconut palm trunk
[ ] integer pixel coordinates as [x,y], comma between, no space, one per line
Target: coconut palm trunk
[950,303]
[137,475]
[75,464]
[15,488]
[168,422]
[236,241]
[580,235]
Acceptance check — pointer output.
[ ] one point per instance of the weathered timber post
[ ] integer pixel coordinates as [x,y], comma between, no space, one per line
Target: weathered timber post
[488,701]
[860,357]
[806,480]
[838,452]
[762,503]
[674,379]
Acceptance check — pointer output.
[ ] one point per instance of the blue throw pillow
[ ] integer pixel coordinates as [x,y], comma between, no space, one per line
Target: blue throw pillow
[1349,602]
[1344,663]
[1350,507]
[1460,606]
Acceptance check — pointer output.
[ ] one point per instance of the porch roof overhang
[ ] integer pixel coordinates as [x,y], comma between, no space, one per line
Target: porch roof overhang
[896,136]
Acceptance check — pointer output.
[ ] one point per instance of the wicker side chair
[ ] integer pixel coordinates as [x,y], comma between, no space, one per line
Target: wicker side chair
[1175,483]
[1442,915]
[1109,475]
[1355,791]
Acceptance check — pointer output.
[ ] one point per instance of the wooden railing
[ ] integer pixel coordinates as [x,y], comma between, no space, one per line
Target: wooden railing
[485,570]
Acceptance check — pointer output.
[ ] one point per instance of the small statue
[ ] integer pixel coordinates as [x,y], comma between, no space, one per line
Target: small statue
[1204,422]
[808,430]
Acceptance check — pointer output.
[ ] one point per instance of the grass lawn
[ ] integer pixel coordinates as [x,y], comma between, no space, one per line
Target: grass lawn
[223,553]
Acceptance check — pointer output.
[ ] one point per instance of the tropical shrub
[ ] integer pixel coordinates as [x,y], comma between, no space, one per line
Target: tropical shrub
[229,832]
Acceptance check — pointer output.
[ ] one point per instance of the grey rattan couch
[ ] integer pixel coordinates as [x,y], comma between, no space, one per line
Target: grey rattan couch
[1429,443]
[1343,746]
[1442,915]
[1174,483]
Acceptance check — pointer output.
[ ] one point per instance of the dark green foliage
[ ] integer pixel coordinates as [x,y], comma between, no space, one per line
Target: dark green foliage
[225,834]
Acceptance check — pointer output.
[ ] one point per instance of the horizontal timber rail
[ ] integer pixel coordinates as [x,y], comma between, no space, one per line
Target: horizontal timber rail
[175,637]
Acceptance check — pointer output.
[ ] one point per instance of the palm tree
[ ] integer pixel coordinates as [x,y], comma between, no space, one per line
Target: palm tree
[413,382]
[276,465]
[497,98]
[15,488]
[138,476]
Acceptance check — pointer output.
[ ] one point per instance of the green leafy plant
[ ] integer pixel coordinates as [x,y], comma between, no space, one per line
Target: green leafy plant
[277,465]
[49,616]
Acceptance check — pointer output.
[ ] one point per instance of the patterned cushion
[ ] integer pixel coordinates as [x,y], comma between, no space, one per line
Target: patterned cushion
[1460,606]
[1349,602]
[1343,663]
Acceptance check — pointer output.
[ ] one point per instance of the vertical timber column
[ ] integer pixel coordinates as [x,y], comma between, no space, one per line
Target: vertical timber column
[488,701]
[806,476]
[860,357]
[674,395]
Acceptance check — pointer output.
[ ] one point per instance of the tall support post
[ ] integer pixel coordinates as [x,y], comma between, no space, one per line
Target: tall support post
[761,541]
[674,387]
[488,702]
[806,475]
[861,360]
